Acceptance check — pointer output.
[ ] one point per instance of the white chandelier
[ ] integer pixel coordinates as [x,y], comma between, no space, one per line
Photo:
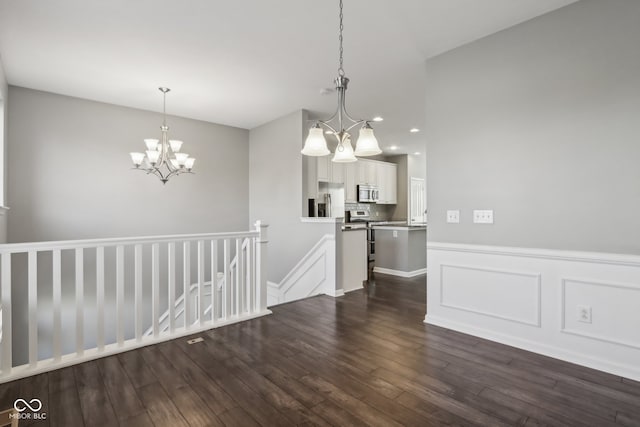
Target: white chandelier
[163,157]
[316,144]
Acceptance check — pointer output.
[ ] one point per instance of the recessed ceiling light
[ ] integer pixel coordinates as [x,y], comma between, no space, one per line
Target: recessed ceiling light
[378,119]
[417,153]
[393,147]
[414,130]
[328,132]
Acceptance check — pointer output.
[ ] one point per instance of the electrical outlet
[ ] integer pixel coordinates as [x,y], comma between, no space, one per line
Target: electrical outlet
[395,233]
[483,217]
[453,217]
[584,313]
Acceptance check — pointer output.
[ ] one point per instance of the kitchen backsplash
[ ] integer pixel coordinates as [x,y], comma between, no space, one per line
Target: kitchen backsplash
[376,212]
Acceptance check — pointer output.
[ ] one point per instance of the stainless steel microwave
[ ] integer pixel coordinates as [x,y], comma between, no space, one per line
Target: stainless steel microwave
[367,193]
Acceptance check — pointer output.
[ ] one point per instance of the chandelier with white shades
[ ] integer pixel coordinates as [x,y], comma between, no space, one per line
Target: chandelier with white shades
[316,144]
[163,157]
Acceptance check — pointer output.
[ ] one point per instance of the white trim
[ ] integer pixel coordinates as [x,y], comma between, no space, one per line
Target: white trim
[598,337]
[335,293]
[576,256]
[322,220]
[4,209]
[538,276]
[90,243]
[627,371]
[399,273]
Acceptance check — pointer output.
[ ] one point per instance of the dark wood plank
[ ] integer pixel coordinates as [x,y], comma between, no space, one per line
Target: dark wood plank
[95,405]
[159,406]
[122,394]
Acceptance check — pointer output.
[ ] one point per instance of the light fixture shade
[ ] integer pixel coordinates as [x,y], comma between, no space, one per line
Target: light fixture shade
[175,145]
[346,154]
[153,156]
[181,158]
[189,163]
[367,144]
[137,158]
[315,145]
[152,144]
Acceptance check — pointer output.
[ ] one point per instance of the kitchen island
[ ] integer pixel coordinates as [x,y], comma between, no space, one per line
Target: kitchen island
[401,249]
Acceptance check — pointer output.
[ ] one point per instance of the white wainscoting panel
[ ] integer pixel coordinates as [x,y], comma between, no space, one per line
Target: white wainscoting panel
[313,275]
[508,295]
[615,311]
[529,298]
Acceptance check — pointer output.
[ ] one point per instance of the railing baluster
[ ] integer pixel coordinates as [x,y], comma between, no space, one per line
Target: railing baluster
[214,281]
[138,303]
[57,305]
[100,296]
[186,282]
[248,276]
[155,288]
[239,277]
[7,339]
[171,272]
[120,295]
[32,260]
[79,301]
[201,282]
[226,298]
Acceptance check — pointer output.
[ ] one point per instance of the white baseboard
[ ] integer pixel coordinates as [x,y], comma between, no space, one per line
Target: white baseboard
[400,273]
[627,371]
[335,293]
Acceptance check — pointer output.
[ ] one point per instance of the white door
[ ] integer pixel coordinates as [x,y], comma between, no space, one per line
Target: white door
[418,202]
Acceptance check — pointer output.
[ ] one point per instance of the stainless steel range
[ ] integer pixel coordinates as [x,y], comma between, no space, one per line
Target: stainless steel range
[362,216]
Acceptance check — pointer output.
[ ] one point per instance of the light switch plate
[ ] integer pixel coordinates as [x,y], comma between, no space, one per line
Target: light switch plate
[483,217]
[453,217]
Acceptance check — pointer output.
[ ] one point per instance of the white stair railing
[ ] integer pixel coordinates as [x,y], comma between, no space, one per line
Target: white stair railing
[96,290]
[241,297]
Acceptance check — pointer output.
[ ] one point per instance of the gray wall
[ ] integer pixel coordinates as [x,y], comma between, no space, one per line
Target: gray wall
[405,252]
[70,178]
[275,191]
[541,123]
[4,129]
[70,174]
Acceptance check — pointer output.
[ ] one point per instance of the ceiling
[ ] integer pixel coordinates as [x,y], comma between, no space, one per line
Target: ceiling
[246,62]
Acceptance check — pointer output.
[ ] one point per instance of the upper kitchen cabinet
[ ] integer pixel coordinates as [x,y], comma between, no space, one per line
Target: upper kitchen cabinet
[329,171]
[387,181]
[350,186]
[367,172]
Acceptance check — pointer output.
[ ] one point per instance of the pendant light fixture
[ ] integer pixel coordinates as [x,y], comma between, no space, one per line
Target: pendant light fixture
[316,144]
[163,157]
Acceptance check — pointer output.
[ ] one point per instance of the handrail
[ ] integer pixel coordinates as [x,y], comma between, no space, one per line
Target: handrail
[90,243]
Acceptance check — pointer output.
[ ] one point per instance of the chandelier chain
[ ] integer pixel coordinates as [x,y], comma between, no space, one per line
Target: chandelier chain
[341,69]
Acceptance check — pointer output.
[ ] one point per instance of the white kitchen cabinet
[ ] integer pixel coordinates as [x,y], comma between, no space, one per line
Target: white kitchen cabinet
[367,172]
[336,172]
[350,185]
[387,177]
[323,168]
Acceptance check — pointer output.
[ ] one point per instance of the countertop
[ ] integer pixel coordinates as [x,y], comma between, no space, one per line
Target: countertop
[399,226]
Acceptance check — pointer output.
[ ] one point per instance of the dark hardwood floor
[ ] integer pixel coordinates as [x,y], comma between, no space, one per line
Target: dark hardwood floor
[363,359]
